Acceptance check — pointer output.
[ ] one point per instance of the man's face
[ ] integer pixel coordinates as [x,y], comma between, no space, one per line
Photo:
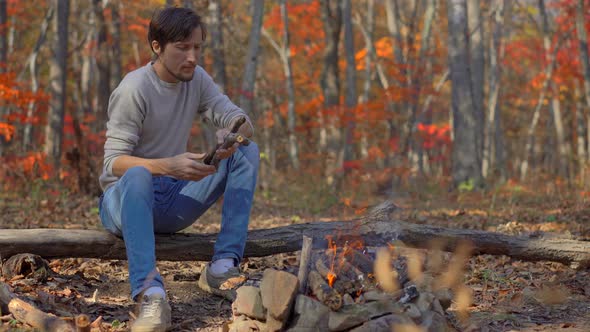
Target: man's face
[179,59]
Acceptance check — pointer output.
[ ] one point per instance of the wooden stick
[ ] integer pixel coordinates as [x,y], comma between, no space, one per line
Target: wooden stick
[304,263]
[323,292]
[321,267]
[27,313]
[82,323]
[359,260]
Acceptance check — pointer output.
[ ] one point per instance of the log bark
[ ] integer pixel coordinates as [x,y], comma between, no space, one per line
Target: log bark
[60,243]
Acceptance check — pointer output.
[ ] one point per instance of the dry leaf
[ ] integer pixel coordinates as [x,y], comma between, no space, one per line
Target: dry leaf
[415,264]
[463,300]
[551,294]
[406,328]
[384,273]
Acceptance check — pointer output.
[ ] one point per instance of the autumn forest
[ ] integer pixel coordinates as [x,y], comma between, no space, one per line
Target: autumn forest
[467,114]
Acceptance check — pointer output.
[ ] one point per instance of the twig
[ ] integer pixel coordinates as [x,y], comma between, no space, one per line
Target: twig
[304,263]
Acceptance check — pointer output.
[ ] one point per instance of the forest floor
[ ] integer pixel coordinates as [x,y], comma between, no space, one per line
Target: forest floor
[508,295]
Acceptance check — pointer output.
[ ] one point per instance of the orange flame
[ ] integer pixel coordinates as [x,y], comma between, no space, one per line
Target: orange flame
[332,247]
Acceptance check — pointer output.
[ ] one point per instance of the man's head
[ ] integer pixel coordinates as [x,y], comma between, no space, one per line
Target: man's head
[176,36]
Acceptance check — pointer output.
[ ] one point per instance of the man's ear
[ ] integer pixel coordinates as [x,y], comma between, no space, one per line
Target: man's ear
[156,47]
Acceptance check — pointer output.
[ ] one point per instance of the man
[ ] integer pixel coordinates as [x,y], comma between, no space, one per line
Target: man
[152,185]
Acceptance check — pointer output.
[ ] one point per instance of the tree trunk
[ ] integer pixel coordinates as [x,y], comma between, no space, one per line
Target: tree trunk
[115,56]
[351,94]
[579,123]
[3,63]
[380,231]
[466,166]
[3,37]
[369,59]
[286,55]
[57,86]
[215,31]
[476,67]
[249,79]
[530,139]
[496,54]
[429,13]
[32,64]
[583,44]
[103,66]
[331,12]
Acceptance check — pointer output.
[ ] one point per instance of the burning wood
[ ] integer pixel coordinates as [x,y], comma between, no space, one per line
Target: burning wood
[341,296]
[326,294]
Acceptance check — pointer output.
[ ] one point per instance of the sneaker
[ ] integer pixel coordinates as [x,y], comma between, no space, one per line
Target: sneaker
[154,315]
[223,285]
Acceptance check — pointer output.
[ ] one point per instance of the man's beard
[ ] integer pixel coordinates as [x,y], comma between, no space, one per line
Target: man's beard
[178,77]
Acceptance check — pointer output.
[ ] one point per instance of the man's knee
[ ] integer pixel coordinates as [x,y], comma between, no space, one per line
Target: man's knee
[251,153]
[139,178]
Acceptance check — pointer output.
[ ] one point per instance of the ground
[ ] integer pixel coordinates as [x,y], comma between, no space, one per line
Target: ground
[508,295]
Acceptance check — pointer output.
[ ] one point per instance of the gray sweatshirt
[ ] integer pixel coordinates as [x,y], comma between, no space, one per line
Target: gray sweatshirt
[150,118]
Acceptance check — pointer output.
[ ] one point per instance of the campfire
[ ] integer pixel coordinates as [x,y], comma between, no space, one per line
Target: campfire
[347,287]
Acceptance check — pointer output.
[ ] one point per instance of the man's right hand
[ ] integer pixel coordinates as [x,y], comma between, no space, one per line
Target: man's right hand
[188,166]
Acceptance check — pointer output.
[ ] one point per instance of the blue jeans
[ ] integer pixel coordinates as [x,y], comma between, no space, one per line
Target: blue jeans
[138,205]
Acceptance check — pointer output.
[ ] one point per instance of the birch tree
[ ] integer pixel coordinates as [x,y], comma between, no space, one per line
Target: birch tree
[102,63]
[57,85]
[249,78]
[115,56]
[584,59]
[331,12]
[351,95]
[476,67]
[293,150]
[465,168]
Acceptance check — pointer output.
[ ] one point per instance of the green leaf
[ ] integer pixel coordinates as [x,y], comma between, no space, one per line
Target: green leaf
[466,185]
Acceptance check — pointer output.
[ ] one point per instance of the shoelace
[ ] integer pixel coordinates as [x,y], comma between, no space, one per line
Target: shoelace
[151,308]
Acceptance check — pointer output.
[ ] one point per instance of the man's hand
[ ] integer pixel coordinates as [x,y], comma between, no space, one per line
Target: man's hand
[189,166]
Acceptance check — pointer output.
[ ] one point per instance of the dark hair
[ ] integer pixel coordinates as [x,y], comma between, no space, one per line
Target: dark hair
[173,24]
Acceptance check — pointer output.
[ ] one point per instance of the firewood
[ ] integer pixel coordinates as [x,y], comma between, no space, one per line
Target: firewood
[82,323]
[324,293]
[27,313]
[359,260]
[304,263]
[321,267]
[60,243]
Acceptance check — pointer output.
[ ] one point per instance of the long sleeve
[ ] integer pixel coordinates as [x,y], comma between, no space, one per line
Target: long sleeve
[215,106]
[126,114]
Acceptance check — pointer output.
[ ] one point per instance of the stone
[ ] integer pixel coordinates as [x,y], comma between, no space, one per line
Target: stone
[347,299]
[384,324]
[412,311]
[435,322]
[445,297]
[273,324]
[410,293]
[309,314]
[249,302]
[247,325]
[375,295]
[424,301]
[278,289]
[353,315]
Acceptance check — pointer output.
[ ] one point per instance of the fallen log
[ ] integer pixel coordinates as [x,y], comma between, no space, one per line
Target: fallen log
[61,243]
